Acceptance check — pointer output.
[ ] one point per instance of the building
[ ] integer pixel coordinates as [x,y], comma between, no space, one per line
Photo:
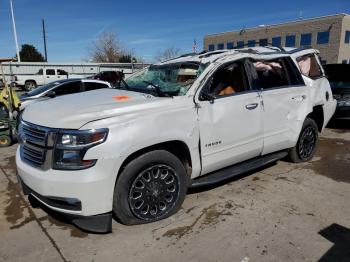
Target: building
[329,34]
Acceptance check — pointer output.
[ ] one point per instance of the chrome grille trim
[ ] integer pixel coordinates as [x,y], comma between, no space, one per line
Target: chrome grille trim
[36,144]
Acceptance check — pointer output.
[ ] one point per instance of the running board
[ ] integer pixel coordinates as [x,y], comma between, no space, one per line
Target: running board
[235,170]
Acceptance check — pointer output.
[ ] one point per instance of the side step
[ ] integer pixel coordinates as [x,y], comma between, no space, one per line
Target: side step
[237,169]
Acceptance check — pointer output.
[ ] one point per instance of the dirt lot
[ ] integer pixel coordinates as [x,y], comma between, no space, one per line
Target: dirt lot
[286,212]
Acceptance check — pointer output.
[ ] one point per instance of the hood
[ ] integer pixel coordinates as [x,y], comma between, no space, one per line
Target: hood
[74,111]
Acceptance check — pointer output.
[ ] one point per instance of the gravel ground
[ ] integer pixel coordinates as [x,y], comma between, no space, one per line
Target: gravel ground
[285,212]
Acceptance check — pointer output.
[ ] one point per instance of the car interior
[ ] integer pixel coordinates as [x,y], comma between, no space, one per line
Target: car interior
[229,80]
[271,73]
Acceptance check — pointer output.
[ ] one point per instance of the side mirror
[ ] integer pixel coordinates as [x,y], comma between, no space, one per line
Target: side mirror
[207,97]
[51,94]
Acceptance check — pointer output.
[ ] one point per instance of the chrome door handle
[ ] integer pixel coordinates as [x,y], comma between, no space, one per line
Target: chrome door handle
[251,106]
[299,98]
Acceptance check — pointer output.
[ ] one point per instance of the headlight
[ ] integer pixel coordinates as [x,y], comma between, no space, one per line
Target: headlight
[71,147]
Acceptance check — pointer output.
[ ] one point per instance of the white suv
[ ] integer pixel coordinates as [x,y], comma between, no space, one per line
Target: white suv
[187,122]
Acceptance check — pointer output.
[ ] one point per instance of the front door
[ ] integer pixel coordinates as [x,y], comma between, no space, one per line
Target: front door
[230,124]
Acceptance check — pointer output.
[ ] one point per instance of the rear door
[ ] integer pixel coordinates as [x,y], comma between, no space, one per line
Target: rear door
[231,122]
[285,96]
[50,75]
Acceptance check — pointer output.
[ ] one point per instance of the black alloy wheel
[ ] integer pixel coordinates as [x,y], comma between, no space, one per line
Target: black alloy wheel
[307,143]
[305,148]
[154,192]
[149,188]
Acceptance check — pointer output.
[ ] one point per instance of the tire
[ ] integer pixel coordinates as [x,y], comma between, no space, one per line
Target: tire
[5,141]
[305,148]
[150,188]
[30,85]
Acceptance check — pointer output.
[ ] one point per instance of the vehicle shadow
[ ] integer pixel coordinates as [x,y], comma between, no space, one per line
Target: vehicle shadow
[339,124]
[340,236]
[225,182]
[58,219]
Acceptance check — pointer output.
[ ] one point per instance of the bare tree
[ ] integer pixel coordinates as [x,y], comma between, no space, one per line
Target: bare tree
[106,49]
[166,54]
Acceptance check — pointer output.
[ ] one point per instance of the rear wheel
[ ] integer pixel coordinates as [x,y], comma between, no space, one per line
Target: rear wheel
[150,188]
[30,85]
[305,148]
[5,141]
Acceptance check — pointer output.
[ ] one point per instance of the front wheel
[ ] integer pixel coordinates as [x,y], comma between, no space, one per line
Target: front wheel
[305,148]
[151,187]
[5,141]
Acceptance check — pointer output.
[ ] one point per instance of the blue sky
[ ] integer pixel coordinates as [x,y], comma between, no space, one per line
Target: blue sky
[143,27]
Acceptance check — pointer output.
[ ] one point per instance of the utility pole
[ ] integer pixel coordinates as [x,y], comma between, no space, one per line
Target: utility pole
[44,37]
[14,31]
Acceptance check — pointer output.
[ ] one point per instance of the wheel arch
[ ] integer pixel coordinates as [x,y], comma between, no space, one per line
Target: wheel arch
[318,116]
[30,80]
[177,147]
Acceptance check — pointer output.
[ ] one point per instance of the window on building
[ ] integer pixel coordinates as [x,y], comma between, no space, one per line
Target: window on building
[305,39]
[290,41]
[211,47]
[240,44]
[323,38]
[221,46]
[263,42]
[347,37]
[251,43]
[277,41]
[344,61]
[229,45]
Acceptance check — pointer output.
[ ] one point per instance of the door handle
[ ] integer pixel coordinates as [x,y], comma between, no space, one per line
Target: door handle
[299,98]
[252,106]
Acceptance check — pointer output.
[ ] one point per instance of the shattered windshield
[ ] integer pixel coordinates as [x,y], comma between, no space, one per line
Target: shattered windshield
[166,80]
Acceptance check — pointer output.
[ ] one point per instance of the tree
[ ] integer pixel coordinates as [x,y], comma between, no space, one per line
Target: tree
[128,58]
[29,53]
[166,54]
[106,49]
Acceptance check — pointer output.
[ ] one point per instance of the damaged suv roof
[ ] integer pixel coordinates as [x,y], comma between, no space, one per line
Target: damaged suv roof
[229,54]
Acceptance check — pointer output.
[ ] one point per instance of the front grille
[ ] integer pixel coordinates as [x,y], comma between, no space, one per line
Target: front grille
[34,134]
[35,156]
[34,143]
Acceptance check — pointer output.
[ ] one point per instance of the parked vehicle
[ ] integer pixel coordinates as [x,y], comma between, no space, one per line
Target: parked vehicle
[339,78]
[189,122]
[8,128]
[113,77]
[59,88]
[42,77]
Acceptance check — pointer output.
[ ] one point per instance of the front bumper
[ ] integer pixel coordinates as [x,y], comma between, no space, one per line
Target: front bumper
[97,224]
[82,195]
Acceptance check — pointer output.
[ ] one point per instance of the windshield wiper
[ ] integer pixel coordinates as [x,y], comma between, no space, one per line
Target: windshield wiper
[159,92]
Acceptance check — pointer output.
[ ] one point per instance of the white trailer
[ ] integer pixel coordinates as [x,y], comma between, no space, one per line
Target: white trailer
[74,70]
